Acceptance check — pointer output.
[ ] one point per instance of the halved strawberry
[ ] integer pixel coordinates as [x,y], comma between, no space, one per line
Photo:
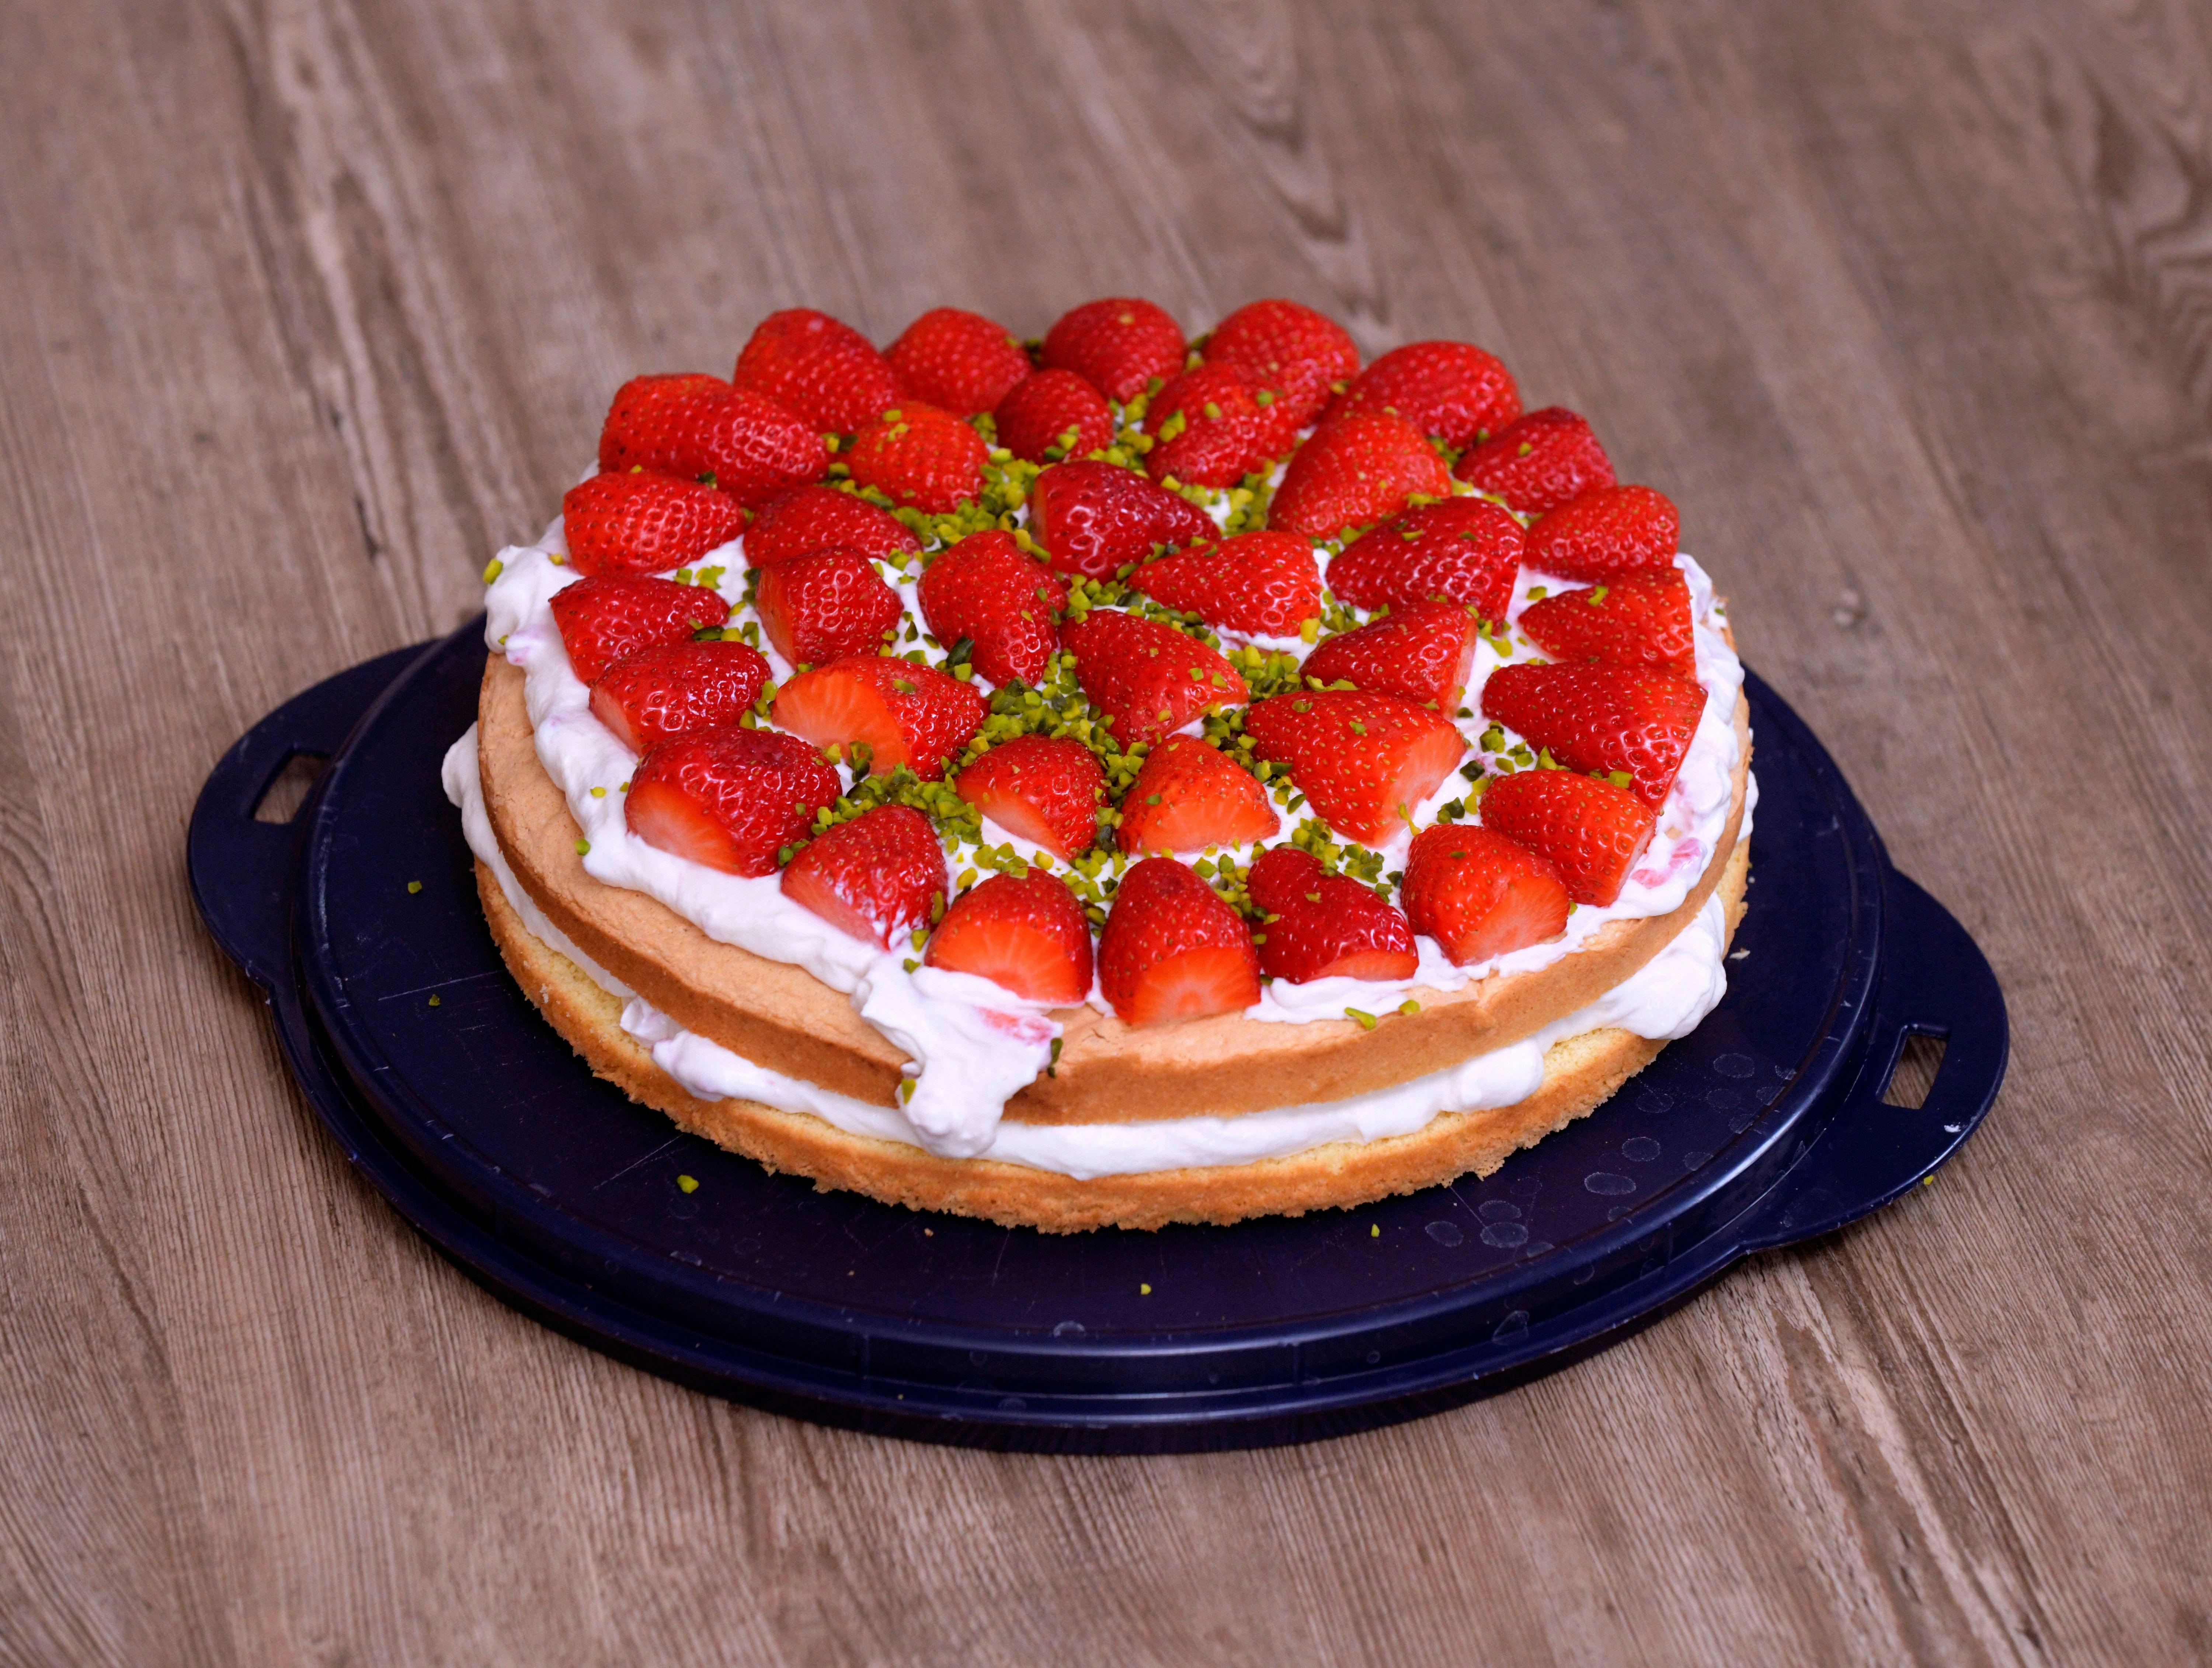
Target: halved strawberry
[1262,584]
[917,455]
[1289,352]
[636,523]
[819,366]
[823,607]
[1601,719]
[1148,677]
[907,714]
[1046,789]
[1052,414]
[1465,549]
[606,617]
[1452,390]
[1094,518]
[1479,894]
[1354,471]
[1588,830]
[878,876]
[1607,533]
[1205,426]
[1642,620]
[732,799]
[701,428]
[961,362]
[1174,950]
[1543,461]
[1190,795]
[1422,651]
[1117,345]
[1326,925]
[1362,761]
[985,590]
[806,520]
[1026,933]
[674,689]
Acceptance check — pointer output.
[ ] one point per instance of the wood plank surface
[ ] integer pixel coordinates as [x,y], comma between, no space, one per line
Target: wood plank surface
[307,305]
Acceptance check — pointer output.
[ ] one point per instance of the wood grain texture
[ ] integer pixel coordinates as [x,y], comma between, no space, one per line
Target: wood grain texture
[309,305]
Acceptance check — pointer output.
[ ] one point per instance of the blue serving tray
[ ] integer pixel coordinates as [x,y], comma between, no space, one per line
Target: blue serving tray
[1765,1127]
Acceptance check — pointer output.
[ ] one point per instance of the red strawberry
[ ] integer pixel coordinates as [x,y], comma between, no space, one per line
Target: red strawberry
[1543,461]
[1290,352]
[1588,830]
[1479,895]
[1189,795]
[1601,719]
[1116,345]
[1173,949]
[1355,472]
[917,455]
[702,429]
[1452,390]
[1046,789]
[1465,549]
[824,370]
[1642,620]
[909,715]
[1362,761]
[878,876]
[1052,414]
[1148,677]
[1422,651]
[1607,533]
[732,799]
[1205,426]
[1262,585]
[635,523]
[674,689]
[1027,933]
[806,520]
[1326,925]
[1095,518]
[652,422]
[959,361]
[1007,606]
[603,619]
[823,607]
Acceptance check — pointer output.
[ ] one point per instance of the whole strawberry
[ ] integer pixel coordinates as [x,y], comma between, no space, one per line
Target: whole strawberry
[1544,460]
[1046,789]
[1601,719]
[1052,414]
[1607,533]
[1452,390]
[1588,830]
[1464,550]
[823,369]
[1324,925]
[635,523]
[1642,620]
[675,689]
[918,455]
[1117,345]
[1024,933]
[824,607]
[1422,651]
[1174,950]
[878,878]
[1353,471]
[961,362]
[806,520]
[1095,518]
[1364,761]
[651,423]
[733,799]
[1479,894]
[1190,796]
[1146,676]
[701,428]
[1289,352]
[602,619]
[1004,605]
[902,713]
[1205,426]
[1258,585]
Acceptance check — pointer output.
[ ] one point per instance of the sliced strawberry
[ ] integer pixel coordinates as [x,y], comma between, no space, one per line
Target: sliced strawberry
[1546,459]
[821,368]
[1094,518]
[806,520]
[1601,719]
[1052,414]
[1260,584]
[907,714]
[1291,353]
[1640,621]
[1362,761]
[1148,677]
[1452,390]
[1205,426]
[823,607]
[1326,925]
[603,618]
[653,423]
[675,689]
[1046,789]
[732,799]
[1006,604]
[1190,795]
[1607,533]
[635,523]
[1026,933]
[1479,894]
[1354,471]
[1465,549]
[701,428]
[1116,345]
[878,876]
[1173,949]
[961,362]
[917,455]
[1588,830]
[1422,651]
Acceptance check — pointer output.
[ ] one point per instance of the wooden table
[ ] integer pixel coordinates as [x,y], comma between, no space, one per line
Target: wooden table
[305,308]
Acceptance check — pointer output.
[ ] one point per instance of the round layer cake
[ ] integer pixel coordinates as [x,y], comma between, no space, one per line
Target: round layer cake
[1110,780]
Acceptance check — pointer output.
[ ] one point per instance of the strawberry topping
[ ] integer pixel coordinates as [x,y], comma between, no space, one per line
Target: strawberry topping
[806,520]
[1094,518]
[1189,795]
[1640,621]
[1322,926]
[918,456]
[986,591]
[1604,719]
[1464,549]
[821,368]
[1174,950]
[1045,789]
[1452,390]
[823,607]
[1147,676]
[701,428]
[1355,470]
[1479,894]
[1422,651]
[1607,533]
[1546,459]
[959,361]
[603,618]
[1364,761]
[635,523]
[675,689]
[1588,830]
[878,876]
[1052,414]
[1117,345]
[1291,353]
[905,714]
[1205,426]
[1262,585]
[1025,932]
[732,799]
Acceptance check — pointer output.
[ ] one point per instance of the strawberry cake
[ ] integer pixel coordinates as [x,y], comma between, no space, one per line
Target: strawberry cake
[1115,779]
